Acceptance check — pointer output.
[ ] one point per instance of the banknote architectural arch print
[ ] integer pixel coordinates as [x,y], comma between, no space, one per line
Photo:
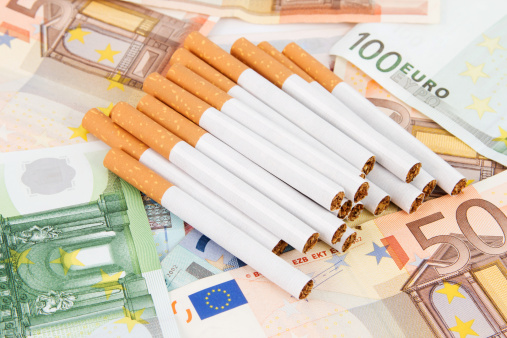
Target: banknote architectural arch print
[69,263]
[116,40]
[471,301]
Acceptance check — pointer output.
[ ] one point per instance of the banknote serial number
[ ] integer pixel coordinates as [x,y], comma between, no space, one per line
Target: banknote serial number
[373,49]
[467,230]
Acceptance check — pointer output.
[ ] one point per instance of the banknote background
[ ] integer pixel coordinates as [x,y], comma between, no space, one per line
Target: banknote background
[50,77]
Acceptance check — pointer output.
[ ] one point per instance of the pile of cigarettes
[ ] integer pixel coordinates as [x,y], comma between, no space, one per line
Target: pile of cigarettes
[258,149]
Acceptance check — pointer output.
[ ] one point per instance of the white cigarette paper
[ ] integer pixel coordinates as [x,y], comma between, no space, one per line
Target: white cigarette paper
[209,223]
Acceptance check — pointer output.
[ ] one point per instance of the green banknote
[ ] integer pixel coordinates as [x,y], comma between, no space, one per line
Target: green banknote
[77,256]
[452,72]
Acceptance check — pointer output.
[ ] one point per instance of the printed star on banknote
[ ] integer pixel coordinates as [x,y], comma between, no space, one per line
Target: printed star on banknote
[452,72]
[280,11]
[437,272]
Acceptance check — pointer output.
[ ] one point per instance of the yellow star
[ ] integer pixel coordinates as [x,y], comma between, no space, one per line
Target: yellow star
[490,44]
[470,182]
[503,136]
[18,258]
[67,260]
[481,106]
[106,110]
[107,54]
[219,264]
[451,291]
[131,322]
[464,329]
[77,34]
[474,72]
[79,132]
[109,283]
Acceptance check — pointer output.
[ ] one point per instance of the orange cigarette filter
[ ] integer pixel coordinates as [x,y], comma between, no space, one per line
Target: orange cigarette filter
[278,56]
[113,135]
[311,66]
[214,55]
[192,62]
[170,119]
[260,61]
[135,173]
[175,97]
[144,128]
[198,86]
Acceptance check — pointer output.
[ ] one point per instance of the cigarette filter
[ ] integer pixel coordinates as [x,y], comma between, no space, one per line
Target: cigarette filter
[296,203]
[448,178]
[106,130]
[289,169]
[209,223]
[403,194]
[333,167]
[277,99]
[192,62]
[254,204]
[399,162]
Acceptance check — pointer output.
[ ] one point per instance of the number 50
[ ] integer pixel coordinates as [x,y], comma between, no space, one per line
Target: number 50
[466,229]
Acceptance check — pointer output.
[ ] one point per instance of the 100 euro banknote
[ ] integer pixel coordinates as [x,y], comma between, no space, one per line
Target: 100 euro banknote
[452,72]
[77,255]
[437,272]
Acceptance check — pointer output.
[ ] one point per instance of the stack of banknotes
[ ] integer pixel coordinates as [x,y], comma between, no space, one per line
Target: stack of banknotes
[134,268]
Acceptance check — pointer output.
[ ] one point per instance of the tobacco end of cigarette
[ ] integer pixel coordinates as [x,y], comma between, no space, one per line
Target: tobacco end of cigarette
[459,187]
[368,166]
[279,248]
[417,203]
[337,201]
[339,233]
[362,192]
[413,172]
[344,209]
[349,241]
[428,189]
[355,212]
[382,206]
[311,242]
[306,290]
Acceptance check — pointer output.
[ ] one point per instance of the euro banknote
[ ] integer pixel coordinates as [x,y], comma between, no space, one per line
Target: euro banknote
[437,272]
[452,72]
[77,256]
[58,60]
[276,11]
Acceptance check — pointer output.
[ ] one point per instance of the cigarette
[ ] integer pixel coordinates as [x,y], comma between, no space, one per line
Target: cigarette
[403,194]
[241,195]
[110,133]
[333,167]
[424,182]
[209,223]
[346,238]
[344,208]
[192,62]
[377,200]
[396,160]
[355,211]
[296,203]
[448,178]
[280,101]
[291,170]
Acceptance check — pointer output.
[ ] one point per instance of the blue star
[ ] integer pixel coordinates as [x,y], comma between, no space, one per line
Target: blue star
[338,261]
[379,252]
[417,262]
[6,39]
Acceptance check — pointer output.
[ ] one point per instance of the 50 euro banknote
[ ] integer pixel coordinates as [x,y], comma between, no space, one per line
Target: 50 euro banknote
[437,272]
[452,72]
